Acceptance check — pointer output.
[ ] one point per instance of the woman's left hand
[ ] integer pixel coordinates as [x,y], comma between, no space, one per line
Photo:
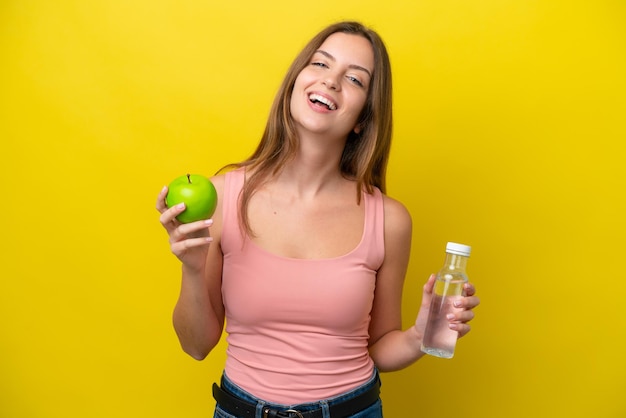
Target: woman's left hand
[467,304]
[460,319]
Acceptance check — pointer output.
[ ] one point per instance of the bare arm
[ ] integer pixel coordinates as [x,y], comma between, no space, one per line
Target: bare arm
[199,312]
[391,347]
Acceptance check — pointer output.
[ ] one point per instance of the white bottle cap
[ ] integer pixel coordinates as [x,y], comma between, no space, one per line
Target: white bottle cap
[458,249]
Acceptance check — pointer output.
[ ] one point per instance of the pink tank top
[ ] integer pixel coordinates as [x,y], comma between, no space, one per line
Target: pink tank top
[298,328]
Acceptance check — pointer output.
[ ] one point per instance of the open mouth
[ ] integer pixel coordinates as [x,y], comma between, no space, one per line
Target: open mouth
[322,101]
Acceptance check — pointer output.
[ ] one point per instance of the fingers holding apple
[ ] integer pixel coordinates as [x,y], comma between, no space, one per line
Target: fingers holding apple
[168,215]
[160,203]
[198,195]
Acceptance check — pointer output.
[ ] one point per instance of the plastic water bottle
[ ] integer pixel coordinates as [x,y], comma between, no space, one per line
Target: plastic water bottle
[439,340]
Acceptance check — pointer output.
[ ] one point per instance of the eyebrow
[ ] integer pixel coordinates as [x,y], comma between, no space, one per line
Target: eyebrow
[353,66]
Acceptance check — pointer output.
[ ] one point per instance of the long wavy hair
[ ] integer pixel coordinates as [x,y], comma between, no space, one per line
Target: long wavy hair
[365,154]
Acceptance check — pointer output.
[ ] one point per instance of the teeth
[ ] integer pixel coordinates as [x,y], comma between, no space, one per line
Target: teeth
[324,100]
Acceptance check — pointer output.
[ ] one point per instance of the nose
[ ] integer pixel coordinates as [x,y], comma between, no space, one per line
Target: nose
[331,82]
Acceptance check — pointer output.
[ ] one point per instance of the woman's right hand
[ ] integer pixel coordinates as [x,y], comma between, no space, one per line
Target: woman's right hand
[189,242]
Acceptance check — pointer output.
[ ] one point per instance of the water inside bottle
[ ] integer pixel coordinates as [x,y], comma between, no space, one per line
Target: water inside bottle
[439,339]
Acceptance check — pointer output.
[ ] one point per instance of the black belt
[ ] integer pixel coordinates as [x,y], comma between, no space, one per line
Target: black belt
[244,409]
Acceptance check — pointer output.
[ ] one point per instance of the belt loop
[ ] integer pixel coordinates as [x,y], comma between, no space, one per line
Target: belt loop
[259,413]
[325,409]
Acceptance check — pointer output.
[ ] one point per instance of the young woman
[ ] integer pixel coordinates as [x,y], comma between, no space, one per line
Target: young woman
[305,257]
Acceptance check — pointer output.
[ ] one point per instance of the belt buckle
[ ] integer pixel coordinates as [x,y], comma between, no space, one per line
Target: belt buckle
[287,413]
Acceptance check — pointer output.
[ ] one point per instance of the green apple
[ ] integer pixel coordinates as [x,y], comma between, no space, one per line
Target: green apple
[198,194]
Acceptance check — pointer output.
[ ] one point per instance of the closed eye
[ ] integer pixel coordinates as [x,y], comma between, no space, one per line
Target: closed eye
[319,64]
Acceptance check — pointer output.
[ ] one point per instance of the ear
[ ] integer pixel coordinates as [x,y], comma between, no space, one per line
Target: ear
[357,129]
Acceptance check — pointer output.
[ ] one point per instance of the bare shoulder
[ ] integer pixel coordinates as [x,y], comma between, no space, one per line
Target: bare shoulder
[397,217]
[218,182]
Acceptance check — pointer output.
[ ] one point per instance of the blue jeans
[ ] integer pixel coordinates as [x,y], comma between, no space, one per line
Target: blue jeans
[373,411]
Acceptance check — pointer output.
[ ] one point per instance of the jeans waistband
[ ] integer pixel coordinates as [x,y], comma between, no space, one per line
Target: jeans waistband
[360,397]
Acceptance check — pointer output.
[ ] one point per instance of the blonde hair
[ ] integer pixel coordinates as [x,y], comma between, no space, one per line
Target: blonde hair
[365,154]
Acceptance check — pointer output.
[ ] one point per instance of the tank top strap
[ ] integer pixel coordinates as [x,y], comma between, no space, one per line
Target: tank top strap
[233,184]
[374,234]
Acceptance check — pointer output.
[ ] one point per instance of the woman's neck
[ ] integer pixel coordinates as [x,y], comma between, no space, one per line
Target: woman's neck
[306,178]
[314,168]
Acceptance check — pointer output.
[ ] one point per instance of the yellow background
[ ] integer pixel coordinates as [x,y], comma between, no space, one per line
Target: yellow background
[509,136]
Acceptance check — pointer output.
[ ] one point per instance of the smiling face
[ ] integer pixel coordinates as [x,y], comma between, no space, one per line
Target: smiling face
[331,91]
